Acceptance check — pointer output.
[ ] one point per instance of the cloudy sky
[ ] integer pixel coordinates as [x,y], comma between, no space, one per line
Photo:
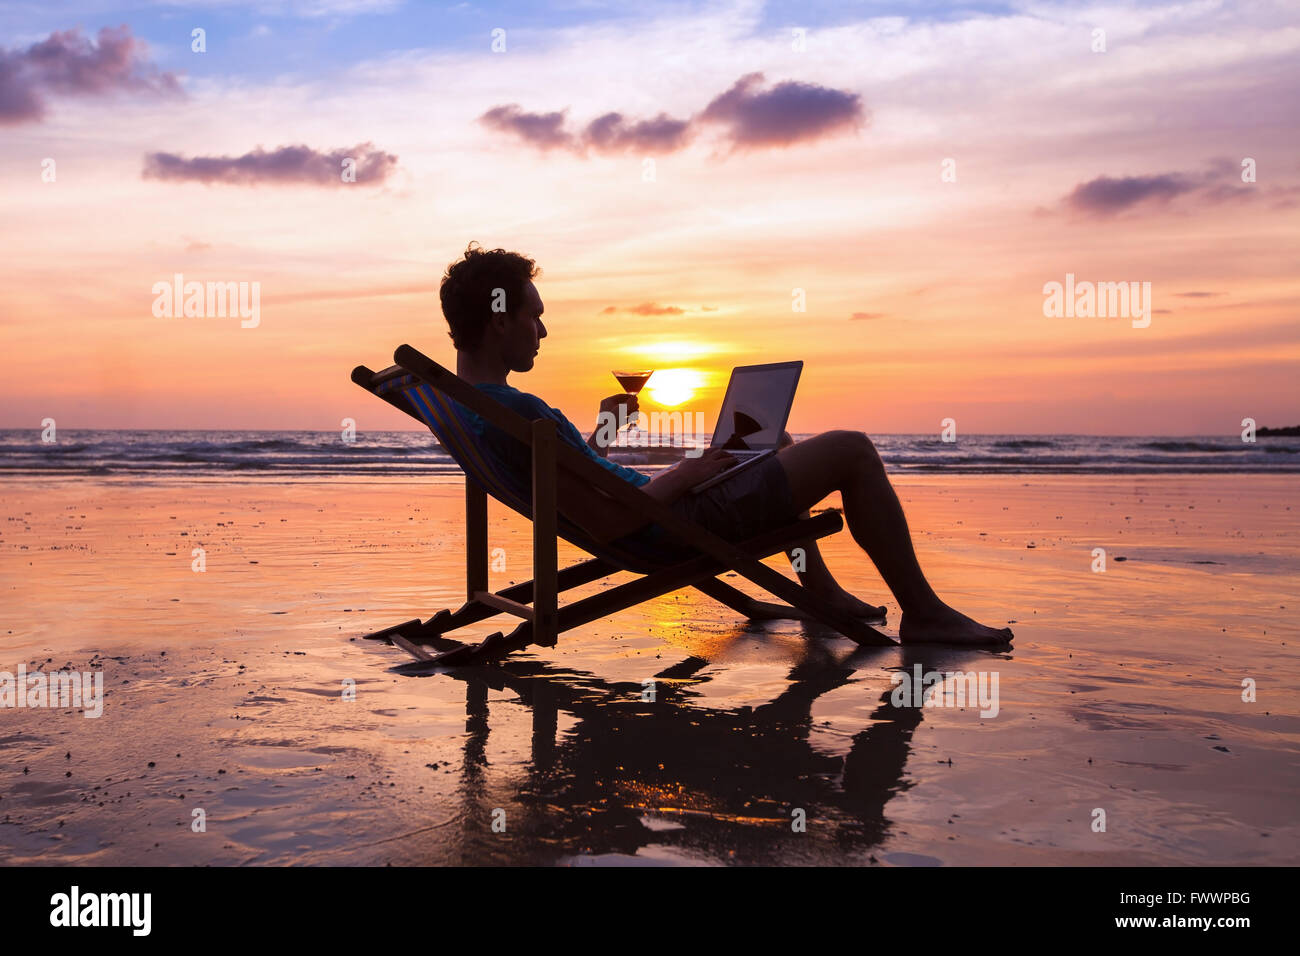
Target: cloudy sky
[920,171]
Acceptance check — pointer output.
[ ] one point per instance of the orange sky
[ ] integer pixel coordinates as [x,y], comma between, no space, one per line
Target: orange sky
[945,278]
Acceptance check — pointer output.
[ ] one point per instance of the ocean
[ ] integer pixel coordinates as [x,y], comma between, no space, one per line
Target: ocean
[286,455]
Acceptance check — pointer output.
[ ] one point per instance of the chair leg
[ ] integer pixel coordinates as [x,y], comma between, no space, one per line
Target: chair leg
[742,603]
[545,560]
[405,627]
[855,630]
[476,543]
[471,612]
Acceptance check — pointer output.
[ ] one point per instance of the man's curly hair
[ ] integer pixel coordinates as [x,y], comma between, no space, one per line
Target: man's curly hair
[467,290]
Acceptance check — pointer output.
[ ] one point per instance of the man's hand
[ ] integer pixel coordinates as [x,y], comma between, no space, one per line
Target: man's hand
[609,421]
[692,471]
[611,405]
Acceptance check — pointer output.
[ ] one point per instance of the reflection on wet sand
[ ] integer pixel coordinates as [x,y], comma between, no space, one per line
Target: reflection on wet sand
[693,782]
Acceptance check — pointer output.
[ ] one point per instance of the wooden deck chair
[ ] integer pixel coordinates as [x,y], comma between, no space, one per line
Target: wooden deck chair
[696,556]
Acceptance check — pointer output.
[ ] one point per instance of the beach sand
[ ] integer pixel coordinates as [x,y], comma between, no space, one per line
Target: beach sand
[224,689]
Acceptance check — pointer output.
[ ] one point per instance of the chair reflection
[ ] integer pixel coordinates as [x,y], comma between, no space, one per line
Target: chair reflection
[703,784]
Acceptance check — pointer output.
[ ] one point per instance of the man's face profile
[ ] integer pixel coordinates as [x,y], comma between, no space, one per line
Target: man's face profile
[523,332]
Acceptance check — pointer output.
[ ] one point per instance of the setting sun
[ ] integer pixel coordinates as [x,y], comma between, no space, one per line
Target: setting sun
[674,386]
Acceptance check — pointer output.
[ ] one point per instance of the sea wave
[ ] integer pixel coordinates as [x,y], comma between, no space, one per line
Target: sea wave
[281,454]
[1189,446]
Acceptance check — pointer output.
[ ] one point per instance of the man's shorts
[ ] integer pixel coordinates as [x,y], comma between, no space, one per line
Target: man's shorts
[757,499]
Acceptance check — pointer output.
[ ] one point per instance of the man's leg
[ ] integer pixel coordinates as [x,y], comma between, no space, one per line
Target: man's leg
[808,563]
[847,462]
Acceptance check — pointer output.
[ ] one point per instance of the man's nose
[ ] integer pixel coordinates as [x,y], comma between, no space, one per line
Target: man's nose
[541,329]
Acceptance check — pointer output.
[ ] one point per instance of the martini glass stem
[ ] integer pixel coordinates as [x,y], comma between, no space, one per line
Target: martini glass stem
[632,382]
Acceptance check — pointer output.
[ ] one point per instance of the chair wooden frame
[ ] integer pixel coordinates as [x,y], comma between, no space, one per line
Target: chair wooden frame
[536,602]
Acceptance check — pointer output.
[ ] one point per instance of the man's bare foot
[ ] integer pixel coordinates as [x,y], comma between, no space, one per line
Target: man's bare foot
[845,603]
[943,625]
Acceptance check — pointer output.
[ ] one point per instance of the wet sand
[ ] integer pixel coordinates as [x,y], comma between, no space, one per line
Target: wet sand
[224,689]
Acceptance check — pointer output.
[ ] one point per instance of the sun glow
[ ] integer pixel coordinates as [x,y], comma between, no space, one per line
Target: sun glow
[669,350]
[674,386]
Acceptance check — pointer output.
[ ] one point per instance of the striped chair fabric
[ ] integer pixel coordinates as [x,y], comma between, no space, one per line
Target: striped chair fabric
[450,423]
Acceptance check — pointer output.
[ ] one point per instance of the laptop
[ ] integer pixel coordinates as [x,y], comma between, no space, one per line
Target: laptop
[753,416]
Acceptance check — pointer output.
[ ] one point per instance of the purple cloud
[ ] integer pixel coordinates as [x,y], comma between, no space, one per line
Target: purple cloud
[543,130]
[287,165]
[645,308]
[788,113]
[1106,195]
[654,308]
[68,63]
[610,133]
[1218,182]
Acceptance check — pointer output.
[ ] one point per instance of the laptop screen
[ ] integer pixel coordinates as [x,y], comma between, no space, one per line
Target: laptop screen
[757,406]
